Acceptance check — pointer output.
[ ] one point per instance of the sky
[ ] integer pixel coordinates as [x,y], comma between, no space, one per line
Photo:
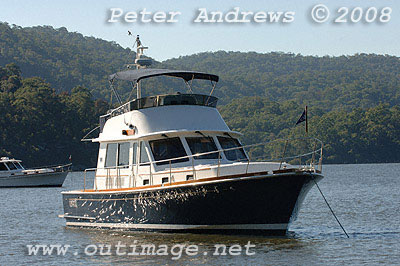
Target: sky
[169,40]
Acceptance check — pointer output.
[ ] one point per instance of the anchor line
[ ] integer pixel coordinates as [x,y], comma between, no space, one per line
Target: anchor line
[334,215]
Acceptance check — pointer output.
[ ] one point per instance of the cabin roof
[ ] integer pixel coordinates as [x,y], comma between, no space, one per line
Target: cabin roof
[160,100]
[135,75]
[169,118]
[162,134]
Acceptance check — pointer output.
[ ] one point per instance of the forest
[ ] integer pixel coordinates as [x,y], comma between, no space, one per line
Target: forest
[54,86]
[41,126]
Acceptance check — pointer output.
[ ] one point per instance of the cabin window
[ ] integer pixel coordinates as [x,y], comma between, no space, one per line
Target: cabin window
[146,182]
[123,154]
[144,158]
[134,153]
[11,166]
[164,180]
[164,149]
[111,156]
[117,152]
[202,145]
[3,167]
[235,154]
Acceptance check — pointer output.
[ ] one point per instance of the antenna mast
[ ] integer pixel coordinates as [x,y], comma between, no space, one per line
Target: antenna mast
[140,62]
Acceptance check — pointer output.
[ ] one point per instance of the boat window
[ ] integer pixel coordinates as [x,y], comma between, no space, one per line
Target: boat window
[11,166]
[134,153]
[144,158]
[161,100]
[235,154]
[202,145]
[123,154]
[3,167]
[18,165]
[111,156]
[164,149]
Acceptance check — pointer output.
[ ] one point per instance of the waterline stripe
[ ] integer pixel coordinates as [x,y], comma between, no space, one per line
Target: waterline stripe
[181,226]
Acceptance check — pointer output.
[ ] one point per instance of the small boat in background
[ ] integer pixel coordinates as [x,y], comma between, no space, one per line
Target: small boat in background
[13,174]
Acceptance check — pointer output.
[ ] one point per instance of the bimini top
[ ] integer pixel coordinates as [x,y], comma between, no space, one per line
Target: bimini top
[135,75]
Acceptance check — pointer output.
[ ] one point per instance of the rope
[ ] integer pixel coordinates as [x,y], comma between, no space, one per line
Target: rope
[322,194]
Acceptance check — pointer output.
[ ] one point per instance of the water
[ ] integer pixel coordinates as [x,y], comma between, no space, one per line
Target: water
[366,199]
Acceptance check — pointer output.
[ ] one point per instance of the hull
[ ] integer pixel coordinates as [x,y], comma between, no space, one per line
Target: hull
[264,204]
[55,179]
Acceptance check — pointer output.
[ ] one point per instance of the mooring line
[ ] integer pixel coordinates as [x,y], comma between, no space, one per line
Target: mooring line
[322,194]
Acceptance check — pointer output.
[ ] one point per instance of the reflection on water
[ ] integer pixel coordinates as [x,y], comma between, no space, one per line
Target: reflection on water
[365,198]
[209,246]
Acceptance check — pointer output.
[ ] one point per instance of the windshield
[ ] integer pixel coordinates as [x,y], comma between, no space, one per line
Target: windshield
[11,166]
[234,154]
[202,145]
[164,149]
[18,165]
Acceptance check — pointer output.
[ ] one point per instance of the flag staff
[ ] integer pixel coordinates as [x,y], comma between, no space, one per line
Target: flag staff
[303,118]
[306,120]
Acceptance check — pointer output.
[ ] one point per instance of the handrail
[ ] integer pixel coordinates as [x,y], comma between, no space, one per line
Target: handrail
[50,166]
[312,165]
[216,151]
[85,139]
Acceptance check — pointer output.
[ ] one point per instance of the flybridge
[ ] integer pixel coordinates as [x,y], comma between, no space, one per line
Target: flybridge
[160,100]
[142,72]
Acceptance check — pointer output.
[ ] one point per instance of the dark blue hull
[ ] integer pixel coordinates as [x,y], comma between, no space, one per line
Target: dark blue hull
[263,204]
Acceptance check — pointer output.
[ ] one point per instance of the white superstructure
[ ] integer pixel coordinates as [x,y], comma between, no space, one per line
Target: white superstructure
[139,139]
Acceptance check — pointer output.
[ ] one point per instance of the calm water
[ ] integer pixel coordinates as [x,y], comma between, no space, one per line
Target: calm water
[366,199]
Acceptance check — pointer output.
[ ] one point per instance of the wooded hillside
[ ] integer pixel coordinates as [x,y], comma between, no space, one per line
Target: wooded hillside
[54,85]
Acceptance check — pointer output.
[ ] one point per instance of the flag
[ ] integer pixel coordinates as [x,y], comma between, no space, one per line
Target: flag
[303,118]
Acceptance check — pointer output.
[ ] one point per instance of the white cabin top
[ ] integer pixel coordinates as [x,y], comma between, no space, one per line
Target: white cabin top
[176,116]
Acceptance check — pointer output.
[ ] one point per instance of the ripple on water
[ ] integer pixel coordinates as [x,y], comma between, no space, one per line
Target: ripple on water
[365,198]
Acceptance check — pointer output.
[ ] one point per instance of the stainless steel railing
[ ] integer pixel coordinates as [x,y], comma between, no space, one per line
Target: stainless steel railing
[309,160]
[56,167]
